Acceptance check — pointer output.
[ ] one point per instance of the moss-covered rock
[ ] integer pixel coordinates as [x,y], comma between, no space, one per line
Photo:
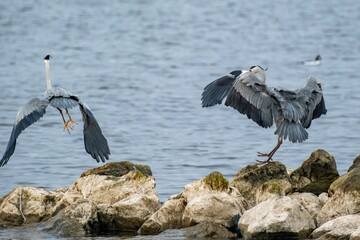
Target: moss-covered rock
[216,181]
[356,163]
[118,169]
[345,197]
[316,174]
[257,183]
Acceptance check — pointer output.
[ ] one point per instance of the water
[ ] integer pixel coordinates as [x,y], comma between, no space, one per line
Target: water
[141,67]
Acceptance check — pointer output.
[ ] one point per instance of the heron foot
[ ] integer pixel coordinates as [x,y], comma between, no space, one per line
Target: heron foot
[263,162]
[259,154]
[69,125]
[269,155]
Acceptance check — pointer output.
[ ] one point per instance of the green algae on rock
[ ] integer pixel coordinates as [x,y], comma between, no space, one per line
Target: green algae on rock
[118,169]
[216,181]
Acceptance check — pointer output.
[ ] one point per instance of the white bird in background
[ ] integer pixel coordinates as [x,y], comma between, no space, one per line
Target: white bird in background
[95,142]
[314,62]
[292,111]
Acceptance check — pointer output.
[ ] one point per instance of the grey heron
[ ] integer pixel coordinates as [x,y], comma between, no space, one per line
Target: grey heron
[247,92]
[95,142]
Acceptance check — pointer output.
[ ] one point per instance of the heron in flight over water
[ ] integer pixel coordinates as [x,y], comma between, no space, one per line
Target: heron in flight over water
[95,142]
[247,92]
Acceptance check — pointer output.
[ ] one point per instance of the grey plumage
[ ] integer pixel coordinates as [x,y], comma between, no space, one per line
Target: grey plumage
[95,142]
[292,111]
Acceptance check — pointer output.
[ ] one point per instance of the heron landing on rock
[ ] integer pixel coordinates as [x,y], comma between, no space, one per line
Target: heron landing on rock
[95,142]
[247,92]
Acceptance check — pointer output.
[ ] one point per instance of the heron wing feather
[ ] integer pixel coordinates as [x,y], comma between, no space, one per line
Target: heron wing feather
[216,91]
[251,97]
[27,115]
[95,142]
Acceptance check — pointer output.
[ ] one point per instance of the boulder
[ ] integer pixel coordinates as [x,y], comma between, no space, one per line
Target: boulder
[77,220]
[309,201]
[258,183]
[278,217]
[316,174]
[338,228]
[210,199]
[208,230]
[25,205]
[356,163]
[345,195]
[124,195]
[169,216]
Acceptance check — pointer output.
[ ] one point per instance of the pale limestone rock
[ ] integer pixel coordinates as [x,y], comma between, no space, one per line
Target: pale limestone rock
[258,183]
[309,201]
[206,230]
[345,197]
[323,197]
[356,234]
[169,216]
[125,197]
[279,215]
[77,220]
[217,207]
[27,205]
[338,228]
[207,200]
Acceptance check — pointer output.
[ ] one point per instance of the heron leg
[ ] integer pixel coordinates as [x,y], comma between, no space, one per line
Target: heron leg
[271,154]
[69,124]
[65,122]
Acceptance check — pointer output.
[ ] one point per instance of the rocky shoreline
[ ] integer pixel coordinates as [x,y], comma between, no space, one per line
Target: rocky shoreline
[261,202]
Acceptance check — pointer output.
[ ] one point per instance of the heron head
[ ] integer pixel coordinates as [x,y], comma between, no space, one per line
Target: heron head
[47,57]
[260,71]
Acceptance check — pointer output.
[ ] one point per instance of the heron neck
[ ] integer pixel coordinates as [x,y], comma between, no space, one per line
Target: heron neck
[262,76]
[47,75]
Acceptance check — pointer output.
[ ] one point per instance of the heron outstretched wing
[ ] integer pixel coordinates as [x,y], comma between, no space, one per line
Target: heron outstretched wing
[215,92]
[95,142]
[27,115]
[313,101]
[251,96]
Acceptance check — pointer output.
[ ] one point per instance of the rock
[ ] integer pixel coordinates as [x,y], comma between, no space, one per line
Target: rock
[316,174]
[323,197]
[356,163]
[309,201]
[259,183]
[169,216]
[118,169]
[25,205]
[208,230]
[356,234]
[345,197]
[339,228]
[277,217]
[77,220]
[210,199]
[124,201]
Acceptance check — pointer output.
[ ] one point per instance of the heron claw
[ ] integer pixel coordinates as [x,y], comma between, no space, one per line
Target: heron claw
[259,162]
[69,125]
[259,154]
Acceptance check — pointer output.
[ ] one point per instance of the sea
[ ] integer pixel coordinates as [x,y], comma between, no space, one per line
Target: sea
[141,66]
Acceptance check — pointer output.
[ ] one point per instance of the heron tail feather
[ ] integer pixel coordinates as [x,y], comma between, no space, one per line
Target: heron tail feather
[291,130]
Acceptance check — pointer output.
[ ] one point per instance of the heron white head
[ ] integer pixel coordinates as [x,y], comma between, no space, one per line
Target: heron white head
[47,71]
[260,71]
